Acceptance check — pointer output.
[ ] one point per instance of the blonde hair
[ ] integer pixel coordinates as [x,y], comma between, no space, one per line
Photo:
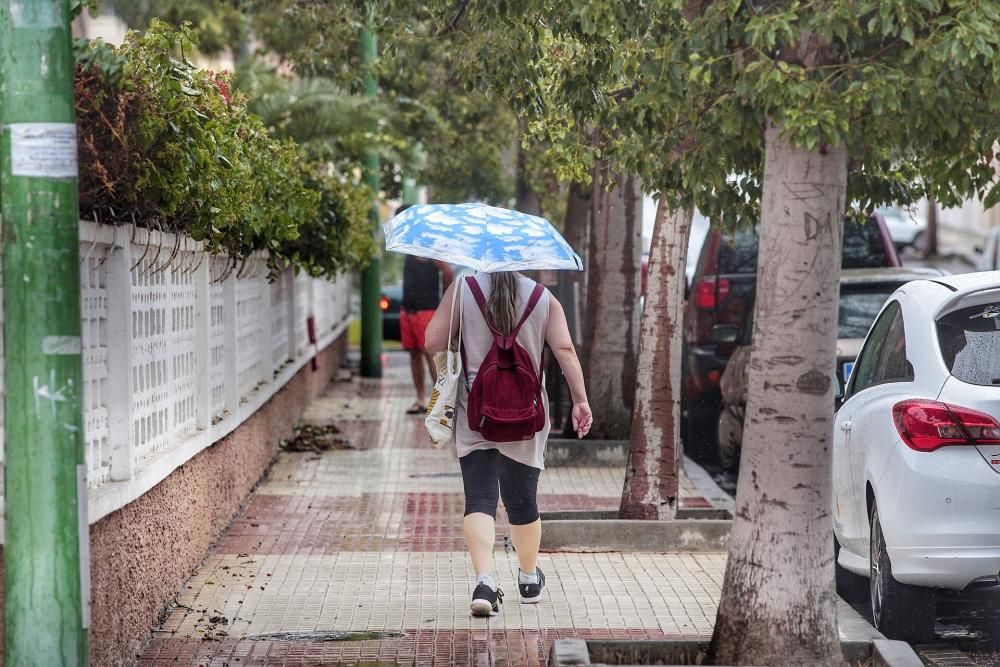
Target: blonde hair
[502,304]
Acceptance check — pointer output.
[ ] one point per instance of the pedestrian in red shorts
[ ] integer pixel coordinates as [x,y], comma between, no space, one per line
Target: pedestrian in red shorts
[424,280]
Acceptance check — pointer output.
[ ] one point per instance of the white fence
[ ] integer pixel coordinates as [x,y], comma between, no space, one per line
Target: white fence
[180,347]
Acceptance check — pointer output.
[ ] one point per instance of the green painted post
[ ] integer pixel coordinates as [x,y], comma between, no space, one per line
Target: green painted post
[45,556]
[371,278]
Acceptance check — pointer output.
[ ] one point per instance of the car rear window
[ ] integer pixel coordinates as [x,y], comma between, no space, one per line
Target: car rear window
[738,252]
[863,248]
[858,308]
[969,339]
[863,245]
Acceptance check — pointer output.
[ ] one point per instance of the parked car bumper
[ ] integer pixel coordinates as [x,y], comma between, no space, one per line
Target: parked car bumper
[946,567]
[941,521]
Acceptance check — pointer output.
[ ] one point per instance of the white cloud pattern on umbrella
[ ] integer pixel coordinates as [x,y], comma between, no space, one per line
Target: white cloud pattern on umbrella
[485,238]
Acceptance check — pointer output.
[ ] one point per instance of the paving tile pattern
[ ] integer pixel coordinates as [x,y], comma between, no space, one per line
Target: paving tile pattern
[356,557]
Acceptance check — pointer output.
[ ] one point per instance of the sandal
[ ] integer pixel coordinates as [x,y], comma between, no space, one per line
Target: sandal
[416,409]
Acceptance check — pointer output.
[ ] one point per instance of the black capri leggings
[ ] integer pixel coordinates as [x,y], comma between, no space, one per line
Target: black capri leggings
[485,471]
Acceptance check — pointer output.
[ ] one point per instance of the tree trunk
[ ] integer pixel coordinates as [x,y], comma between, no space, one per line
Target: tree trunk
[777,604]
[571,287]
[576,231]
[931,242]
[611,338]
[651,482]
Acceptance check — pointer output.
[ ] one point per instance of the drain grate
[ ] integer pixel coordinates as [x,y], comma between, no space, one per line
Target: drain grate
[321,636]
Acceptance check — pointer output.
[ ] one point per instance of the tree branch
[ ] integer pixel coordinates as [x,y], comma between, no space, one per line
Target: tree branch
[453,24]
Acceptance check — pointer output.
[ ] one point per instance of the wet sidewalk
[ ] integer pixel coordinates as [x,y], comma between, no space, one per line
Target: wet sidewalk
[356,556]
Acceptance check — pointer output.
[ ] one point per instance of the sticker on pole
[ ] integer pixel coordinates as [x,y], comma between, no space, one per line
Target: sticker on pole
[45,150]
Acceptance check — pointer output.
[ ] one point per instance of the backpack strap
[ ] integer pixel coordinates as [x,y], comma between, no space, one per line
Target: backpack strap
[477,293]
[536,295]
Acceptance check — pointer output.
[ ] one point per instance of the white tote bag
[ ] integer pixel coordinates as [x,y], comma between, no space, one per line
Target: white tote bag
[442,409]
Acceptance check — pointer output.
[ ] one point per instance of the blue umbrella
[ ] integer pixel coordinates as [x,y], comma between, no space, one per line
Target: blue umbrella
[485,238]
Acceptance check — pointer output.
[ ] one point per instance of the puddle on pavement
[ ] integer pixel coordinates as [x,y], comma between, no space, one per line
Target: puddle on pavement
[321,636]
[970,621]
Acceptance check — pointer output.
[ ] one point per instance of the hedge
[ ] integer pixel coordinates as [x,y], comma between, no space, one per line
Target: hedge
[166,145]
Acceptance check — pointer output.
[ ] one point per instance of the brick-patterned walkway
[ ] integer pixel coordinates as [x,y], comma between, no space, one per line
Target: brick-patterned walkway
[356,557]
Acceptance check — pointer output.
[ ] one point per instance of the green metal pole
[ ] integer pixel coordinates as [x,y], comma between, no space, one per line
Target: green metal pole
[45,561]
[371,279]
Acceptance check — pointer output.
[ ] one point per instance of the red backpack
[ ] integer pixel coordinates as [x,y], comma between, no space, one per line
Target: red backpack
[505,400]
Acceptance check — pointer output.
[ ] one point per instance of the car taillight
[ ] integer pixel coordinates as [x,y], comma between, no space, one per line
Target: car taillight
[927,425]
[384,303]
[709,291]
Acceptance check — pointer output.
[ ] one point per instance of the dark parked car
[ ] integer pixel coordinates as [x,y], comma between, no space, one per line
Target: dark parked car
[863,292]
[392,297]
[721,294]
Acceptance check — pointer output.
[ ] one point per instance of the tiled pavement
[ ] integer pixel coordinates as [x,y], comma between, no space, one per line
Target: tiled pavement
[357,557]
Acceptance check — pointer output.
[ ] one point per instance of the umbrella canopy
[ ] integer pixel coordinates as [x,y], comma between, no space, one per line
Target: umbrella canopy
[485,238]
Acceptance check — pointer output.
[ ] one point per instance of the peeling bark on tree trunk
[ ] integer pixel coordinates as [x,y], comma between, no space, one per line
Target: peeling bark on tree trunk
[612,322]
[651,481]
[778,602]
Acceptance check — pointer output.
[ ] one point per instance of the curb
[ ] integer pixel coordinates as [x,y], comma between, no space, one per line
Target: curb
[576,652]
[855,628]
[862,641]
[893,653]
[683,513]
[628,535]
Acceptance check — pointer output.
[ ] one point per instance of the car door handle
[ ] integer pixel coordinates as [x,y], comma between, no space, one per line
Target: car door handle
[845,426]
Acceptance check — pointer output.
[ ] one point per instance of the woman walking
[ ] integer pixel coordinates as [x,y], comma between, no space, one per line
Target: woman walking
[511,307]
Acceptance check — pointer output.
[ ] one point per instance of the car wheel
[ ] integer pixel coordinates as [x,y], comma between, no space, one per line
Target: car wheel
[851,587]
[919,242]
[900,611]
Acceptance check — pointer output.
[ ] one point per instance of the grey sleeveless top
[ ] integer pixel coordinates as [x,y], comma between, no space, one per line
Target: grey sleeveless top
[477,339]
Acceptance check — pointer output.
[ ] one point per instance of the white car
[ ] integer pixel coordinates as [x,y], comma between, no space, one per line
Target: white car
[916,451]
[906,230]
